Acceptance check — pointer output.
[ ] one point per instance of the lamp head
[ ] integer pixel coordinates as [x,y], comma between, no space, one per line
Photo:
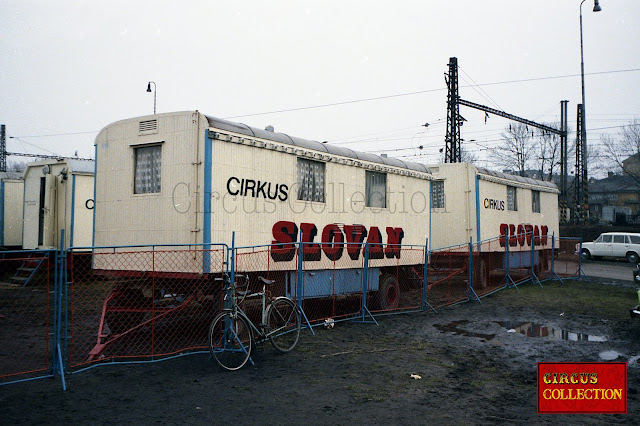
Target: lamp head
[596,6]
[149,87]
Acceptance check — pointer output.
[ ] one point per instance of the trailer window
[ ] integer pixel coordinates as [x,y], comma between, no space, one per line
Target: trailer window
[535,201]
[376,188]
[437,194]
[310,180]
[148,162]
[512,200]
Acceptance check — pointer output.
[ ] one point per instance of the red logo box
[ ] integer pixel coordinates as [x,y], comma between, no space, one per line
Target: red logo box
[582,387]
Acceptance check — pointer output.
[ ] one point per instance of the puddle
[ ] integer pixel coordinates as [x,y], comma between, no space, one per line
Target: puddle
[453,327]
[533,329]
[609,355]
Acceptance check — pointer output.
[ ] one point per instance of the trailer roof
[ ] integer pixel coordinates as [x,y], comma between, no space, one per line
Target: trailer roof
[314,145]
[517,178]
[10,175]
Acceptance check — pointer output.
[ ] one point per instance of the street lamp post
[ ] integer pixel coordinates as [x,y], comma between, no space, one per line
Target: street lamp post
[596,8]
[154,89]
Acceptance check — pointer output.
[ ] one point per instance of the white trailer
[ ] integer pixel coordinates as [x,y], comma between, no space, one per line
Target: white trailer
[58,194]
[187,178]
[471,203]
[11,196]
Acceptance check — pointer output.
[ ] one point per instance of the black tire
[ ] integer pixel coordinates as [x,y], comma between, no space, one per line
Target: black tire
[480,276]
[230,340]
[632,257]
[389,293]
[585,254]
[283,320]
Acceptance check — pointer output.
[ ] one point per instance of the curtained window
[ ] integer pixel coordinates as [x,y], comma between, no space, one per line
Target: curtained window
[376,189]
[310,180]
[148,162]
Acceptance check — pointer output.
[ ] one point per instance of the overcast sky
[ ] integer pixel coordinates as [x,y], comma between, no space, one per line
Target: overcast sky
[69,68]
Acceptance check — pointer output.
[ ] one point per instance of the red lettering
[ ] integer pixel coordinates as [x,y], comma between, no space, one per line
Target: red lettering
[332,242]
[310,251]
[504,229]
[394,239]
[521,235]
[513,241]
[544,231]
[536,235]
[529,231]
[375,243]
[284,233]
[355,235]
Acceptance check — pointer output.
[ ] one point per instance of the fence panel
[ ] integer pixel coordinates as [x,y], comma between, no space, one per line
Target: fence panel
[149,302]
[448,275]
[566,261]
[489,268]
[26,314]
[396,278]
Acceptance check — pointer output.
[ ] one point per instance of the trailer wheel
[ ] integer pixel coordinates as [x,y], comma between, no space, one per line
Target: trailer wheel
[119,321]
[389,293]
[480,276]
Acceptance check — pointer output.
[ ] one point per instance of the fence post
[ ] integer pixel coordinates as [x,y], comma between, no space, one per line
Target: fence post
[472,295]
[508,278]
[59,273]
[553,257]
[534,277]
[425,278]
[364,311]
[300,283]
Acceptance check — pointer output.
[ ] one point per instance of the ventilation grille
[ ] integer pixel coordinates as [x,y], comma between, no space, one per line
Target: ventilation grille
[148,126]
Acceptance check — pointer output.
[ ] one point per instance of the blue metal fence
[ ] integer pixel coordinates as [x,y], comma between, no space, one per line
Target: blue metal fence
[102,305]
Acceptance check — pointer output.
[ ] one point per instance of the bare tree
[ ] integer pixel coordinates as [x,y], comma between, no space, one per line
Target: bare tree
[516,151]
[624,151]
[16,166]
[547,148]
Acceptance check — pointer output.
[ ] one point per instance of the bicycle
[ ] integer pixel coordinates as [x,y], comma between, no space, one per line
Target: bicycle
[232,334]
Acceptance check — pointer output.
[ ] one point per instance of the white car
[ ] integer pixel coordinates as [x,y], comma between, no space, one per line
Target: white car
[613,244]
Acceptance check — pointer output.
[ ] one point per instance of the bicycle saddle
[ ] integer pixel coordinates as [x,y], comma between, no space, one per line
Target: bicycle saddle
[266,281]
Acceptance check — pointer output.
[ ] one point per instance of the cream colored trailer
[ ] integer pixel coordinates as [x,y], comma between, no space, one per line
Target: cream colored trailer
[11,196]
[195,179]
[476,204]
[58,195]
[188,178]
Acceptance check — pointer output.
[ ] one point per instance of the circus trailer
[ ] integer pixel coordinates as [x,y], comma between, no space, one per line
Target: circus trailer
[500,212]
[11,196]
[58,195]
[191,179]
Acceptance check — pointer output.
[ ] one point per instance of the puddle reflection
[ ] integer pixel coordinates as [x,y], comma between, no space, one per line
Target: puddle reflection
[529,329]
[533,329]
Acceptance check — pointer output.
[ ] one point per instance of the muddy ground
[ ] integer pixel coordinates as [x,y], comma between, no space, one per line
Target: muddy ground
[472,369]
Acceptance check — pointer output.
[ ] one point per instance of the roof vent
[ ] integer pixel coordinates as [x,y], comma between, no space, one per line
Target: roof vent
[269,128]
[148,126]
[383,155]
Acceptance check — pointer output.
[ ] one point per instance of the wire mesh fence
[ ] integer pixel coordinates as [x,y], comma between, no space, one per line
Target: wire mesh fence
[125,304]
[26,314]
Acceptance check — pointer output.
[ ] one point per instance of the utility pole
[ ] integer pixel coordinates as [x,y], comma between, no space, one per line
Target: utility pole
[581,204]
[453,148]
[564,178]
[3,148]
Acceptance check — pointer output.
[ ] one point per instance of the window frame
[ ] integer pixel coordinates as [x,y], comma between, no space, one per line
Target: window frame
[300,192]
[136,150]
[441,195]
[515,198]
[535,201]
[370,174]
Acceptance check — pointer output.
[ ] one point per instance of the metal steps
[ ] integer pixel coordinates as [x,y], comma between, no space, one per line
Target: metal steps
[28,269]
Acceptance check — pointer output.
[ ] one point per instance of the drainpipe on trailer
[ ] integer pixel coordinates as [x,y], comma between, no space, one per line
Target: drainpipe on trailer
[197,164]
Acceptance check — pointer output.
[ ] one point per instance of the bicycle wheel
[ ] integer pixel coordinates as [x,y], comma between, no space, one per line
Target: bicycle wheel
[283,320]
[230,340]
